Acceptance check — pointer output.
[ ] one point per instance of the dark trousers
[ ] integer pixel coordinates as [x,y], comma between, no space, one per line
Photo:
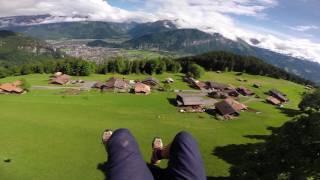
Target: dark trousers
[125,161]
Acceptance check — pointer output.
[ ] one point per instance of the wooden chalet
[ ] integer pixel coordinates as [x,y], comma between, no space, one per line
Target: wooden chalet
[115,84]
[190,103]
[60,79]
[278,95]
[190,100]
[230,107]
[201,85]
[11,88]
[245,92]
[274,101]
[232,92]
[218,95]
[140,88]
[193,82]
[151,81]
[194,102]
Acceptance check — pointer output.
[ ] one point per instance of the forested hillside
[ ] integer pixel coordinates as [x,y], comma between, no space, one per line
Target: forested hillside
[18,49]
[224,61]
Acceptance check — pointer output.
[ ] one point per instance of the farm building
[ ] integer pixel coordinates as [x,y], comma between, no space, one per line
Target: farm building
[218,95]
[230,107]
[232,92]
[115,84]
[140,88]
[200,85]
[225,109]
[151,81]
[217,86]
[11,88]
[278,95]
[245,92]
[194,102]
[237,105]
[273,100]
[60,79]
[190,100]
[190,80]
[193,82]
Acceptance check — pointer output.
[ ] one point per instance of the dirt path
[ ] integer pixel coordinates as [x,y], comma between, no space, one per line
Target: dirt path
[251,100]
[85,87]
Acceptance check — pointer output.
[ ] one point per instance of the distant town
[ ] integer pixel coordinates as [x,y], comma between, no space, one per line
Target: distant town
[78,48]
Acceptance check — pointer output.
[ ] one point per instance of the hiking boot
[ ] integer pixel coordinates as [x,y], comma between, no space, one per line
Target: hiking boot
[157,147]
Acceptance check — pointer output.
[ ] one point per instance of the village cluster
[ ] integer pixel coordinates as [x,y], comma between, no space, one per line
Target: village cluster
[115,84]
[210,96]
[222,98]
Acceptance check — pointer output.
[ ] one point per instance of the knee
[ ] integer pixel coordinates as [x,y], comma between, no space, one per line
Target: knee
[122,131]
[121,138]
[183,136]
[121,134]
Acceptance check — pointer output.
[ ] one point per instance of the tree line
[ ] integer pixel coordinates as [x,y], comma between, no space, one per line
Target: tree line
[79,67]
[214,61]
[145,66]
[225,61]
[71,66]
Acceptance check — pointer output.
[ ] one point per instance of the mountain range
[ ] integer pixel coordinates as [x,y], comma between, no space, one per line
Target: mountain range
[161,35]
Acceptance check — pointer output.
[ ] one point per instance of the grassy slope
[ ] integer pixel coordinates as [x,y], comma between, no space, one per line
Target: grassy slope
[53,137]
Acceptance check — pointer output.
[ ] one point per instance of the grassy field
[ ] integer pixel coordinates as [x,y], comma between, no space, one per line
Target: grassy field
[52,136]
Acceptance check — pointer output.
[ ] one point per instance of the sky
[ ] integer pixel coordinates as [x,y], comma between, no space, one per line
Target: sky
[285,26]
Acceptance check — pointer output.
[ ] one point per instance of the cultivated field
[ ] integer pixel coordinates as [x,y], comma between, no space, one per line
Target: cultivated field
[51,135]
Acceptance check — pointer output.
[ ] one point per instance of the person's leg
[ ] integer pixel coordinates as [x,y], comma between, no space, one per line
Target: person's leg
[124,158]
[185,162]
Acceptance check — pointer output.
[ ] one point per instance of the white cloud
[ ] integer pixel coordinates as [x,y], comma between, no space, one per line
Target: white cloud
[94,9]
[207,15]
[304,28]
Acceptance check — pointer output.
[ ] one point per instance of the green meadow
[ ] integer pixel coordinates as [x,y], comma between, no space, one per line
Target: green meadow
[50,135]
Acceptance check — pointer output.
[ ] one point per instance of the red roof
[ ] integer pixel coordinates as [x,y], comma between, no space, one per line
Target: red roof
[245,91]
[11,88]
[142,88]
[114,83]
[236,105]
[230,107]
[273,100]
[63,79]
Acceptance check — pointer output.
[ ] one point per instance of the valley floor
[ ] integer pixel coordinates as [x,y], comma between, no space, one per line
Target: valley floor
[50,135]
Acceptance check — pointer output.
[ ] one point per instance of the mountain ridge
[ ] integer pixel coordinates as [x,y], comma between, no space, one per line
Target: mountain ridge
[165,35]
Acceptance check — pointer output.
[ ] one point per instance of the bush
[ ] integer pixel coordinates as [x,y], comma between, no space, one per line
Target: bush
[196,71]
[25,85]
[311,101]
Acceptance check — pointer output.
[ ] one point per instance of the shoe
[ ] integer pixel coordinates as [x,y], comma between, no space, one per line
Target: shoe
[106,136]
[157,147]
